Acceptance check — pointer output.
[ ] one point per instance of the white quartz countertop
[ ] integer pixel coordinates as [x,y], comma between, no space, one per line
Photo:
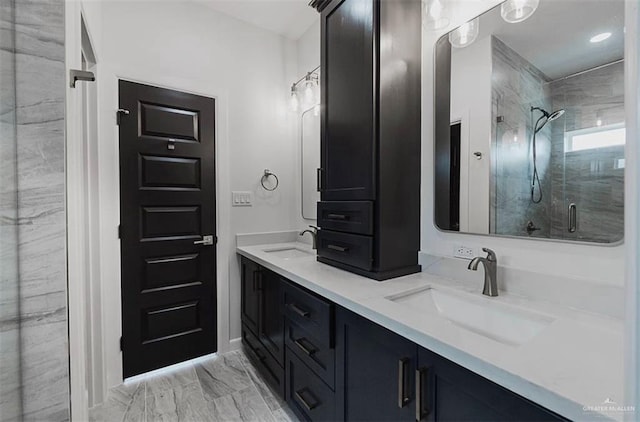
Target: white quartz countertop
[573,367]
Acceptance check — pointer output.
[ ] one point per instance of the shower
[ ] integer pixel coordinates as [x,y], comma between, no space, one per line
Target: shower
[537,127]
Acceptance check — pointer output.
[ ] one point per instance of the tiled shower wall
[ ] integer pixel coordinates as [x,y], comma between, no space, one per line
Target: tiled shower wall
[592,179]
[41,376]
[516,86]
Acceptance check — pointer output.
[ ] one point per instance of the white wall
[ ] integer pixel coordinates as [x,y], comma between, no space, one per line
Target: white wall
[308,58]
[189,47]
[471,69]
[604,264]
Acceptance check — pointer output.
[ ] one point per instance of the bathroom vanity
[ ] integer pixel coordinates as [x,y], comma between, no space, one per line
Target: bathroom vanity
[415,347]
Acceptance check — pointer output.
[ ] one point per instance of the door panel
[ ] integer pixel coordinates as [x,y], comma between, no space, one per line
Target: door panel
[167,202]
[348,126]
[250,301]
[271,325]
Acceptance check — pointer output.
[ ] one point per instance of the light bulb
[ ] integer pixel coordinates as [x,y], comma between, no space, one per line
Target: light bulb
[293,102]
[309,95]
[434,16]
[514,11]
[466,34]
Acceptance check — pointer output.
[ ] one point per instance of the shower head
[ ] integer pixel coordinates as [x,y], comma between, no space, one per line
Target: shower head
[549,117]
[555,115]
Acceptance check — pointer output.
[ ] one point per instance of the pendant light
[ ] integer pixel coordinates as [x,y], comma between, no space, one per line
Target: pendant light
[434,15]
[514,11]
[293,101]
[465,34]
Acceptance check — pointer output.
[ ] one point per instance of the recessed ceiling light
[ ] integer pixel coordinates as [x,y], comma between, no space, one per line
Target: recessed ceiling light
[600,37]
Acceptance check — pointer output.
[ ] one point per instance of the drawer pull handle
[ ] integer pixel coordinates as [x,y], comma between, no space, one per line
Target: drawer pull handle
[305,403]
[297,310]
[337,217]
[305,349]
[421,391]
[402,369]
[337,248]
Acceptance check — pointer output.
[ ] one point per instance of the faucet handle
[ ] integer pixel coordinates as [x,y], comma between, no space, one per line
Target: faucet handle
[491,255]
[315,229]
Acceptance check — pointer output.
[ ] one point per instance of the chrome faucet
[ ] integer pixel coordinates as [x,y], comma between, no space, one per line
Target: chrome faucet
[314,234]
[490,271]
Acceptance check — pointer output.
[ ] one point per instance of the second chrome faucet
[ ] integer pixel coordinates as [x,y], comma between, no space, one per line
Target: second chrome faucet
[490,264]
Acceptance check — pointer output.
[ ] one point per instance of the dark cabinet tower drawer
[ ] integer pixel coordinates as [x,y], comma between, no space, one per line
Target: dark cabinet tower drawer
[351,249]
[318,357]
[307,395]
[346,216]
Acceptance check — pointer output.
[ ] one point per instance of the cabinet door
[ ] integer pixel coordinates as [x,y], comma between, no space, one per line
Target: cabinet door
[375,371]
[250,295]
[271,321]
[348,123]
[449,392]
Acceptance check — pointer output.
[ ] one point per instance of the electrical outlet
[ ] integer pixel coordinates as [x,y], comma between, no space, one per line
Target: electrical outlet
[241,199]
[464,252]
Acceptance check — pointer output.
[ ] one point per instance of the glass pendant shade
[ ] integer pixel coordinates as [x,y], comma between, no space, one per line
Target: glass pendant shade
[514,11]
[434,15]
[293,101]
[465,34]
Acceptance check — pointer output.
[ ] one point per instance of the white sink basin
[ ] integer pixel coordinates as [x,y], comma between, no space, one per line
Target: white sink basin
[484,316]
[289,252]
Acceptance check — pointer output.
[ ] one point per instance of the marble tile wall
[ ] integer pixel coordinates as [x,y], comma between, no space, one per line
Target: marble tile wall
[592,179]
[516,86]
[39,221]
[10,397]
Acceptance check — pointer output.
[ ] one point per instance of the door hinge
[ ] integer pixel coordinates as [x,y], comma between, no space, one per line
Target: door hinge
[121,112]
[121,344]
[119,231]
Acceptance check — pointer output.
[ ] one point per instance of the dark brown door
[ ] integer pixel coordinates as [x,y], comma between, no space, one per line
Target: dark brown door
[167,207]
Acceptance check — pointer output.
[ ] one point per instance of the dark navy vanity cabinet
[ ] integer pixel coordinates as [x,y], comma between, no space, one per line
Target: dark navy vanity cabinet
[331,364]
[369,179]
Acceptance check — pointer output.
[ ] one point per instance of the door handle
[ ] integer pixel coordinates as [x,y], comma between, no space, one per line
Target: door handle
[402,369]
[206,240]
[421,374]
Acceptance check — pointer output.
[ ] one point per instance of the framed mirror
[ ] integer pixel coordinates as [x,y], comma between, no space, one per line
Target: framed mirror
[530,122]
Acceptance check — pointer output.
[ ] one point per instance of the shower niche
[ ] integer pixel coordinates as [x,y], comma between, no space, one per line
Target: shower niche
[530,123]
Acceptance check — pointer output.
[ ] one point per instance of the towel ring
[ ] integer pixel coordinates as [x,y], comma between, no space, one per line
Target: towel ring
[264,178]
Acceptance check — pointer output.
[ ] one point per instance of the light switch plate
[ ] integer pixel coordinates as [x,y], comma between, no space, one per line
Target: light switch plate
[241,198]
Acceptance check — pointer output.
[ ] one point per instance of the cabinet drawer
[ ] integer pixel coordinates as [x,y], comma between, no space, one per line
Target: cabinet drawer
[311,313]
[351,249]
[319,358]
[346,216]
[307,395]
[263,360]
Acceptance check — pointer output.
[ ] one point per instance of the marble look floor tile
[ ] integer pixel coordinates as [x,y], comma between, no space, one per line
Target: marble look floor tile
[284,414]
[222,376]
[124,403]
[274,402]
[244,405]
[178,404]
[176,379]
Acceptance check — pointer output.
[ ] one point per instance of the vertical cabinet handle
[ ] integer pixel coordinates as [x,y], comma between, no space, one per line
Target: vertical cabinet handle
[402,370]
[319,179]
[573,218]
[257,281]
[421,376]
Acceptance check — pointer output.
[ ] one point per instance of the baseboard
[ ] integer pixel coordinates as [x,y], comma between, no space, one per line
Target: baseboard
[235,344]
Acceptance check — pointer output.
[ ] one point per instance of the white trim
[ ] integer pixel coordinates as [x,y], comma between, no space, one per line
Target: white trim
[235,344]
[109,176]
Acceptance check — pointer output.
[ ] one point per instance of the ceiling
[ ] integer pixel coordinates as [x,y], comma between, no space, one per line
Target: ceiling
[556,38]
[290,18]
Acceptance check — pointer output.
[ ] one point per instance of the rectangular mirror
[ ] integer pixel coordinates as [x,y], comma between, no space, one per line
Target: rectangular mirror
[530,122]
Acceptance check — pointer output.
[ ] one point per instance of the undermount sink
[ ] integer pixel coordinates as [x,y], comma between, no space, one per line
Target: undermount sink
[483,316]
[289,252]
